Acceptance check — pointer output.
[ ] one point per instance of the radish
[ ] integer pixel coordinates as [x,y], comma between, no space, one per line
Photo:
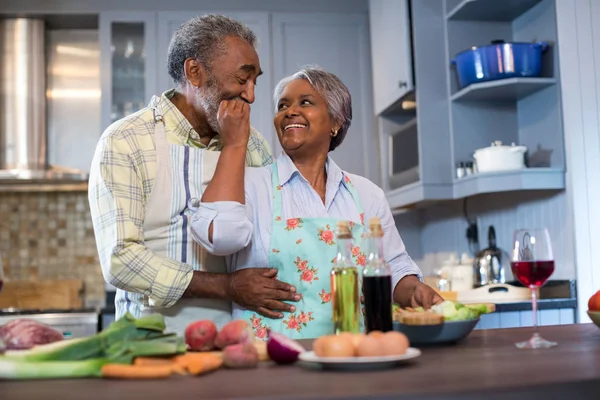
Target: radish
[282,349]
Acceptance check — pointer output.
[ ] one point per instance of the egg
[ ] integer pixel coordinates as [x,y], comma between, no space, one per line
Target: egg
[394,343]
[319,345]
[370,346]
[338,346]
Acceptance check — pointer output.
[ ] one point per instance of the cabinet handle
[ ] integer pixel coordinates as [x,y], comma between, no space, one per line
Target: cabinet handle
[402,84]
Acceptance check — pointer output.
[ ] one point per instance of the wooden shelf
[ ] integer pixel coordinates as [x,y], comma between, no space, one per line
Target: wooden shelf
[490,10]
[510,89]
[524,179]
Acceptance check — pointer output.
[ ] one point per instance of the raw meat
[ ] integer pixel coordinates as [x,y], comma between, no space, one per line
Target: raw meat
[21,334]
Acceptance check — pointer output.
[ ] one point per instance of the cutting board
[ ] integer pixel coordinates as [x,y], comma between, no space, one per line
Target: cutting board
[58,294]
[495,293]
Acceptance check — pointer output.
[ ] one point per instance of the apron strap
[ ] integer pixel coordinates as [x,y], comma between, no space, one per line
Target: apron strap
[160,135]
[277,201]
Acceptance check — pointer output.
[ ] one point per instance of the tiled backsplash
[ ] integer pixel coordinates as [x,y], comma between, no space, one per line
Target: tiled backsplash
[49,236]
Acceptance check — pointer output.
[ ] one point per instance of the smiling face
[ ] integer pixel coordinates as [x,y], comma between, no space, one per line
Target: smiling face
[232,75]
[302,120]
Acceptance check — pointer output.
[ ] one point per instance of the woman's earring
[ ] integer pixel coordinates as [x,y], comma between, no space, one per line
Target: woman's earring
[334,133]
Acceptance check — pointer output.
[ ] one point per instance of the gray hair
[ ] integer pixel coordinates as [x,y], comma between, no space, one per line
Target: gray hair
[201,38]
[331,88]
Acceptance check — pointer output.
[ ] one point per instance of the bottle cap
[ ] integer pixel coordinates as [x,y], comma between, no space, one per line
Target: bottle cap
[343,230]
[375,227]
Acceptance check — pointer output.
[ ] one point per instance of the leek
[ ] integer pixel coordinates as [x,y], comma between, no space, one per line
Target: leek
[18,369]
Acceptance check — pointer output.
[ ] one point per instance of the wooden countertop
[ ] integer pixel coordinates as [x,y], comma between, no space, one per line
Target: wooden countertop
[485,364]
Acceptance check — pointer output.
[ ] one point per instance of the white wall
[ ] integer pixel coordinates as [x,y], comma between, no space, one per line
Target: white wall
[579,53]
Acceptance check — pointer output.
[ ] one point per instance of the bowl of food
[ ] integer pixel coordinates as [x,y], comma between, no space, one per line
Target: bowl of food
[448,322]
[594,308]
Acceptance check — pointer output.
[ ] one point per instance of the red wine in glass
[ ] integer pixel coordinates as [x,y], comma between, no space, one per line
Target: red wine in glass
[532,273]
[532,264]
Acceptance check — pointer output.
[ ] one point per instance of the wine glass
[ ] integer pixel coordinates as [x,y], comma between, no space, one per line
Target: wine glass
[532,263]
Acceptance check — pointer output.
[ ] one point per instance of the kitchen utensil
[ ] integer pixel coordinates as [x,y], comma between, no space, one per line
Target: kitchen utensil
[532,264]
[494,293]
[448,332]
[499,60]
[499,157]
[489,263]
[309,359]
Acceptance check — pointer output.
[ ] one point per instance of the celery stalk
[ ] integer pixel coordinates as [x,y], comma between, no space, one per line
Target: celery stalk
[17,369]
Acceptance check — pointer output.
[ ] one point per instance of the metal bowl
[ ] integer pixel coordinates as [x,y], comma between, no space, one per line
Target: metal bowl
[448,332]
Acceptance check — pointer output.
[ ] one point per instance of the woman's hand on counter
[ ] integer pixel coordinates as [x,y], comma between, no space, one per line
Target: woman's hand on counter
[258,289]
[411,292]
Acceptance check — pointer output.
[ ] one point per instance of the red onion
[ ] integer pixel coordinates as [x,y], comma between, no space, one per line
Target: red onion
[282,349]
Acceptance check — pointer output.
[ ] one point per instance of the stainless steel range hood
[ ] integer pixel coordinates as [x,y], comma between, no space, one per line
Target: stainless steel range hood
[23,135]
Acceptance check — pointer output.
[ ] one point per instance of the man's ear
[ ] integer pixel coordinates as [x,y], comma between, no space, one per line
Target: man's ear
[194,72]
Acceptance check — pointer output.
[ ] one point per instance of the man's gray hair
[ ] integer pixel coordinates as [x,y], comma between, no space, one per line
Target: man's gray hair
[331,88]
[202,38]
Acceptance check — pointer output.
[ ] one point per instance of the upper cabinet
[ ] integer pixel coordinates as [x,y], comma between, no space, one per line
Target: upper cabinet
[261,115]
[455,119]
[340,44]
[128,63]
[391,51]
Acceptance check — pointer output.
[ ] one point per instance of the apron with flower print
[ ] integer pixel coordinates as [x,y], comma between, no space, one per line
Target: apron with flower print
[303,251]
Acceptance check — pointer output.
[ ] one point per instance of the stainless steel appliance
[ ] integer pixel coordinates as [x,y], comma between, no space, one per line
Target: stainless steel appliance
[23,114]
[72,323]
[491,263]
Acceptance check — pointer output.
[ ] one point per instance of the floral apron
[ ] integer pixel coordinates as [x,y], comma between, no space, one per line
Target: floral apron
[303,250]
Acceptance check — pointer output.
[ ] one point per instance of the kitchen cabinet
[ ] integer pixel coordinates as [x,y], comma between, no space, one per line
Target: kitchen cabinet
[453,122]
[340,44]
[262,111]
[127,62]
[390,51]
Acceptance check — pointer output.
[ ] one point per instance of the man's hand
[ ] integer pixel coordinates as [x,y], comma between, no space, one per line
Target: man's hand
[258,289]
[233,118]
[411,292]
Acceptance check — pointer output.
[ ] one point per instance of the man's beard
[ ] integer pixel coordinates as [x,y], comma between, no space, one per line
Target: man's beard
[209,99]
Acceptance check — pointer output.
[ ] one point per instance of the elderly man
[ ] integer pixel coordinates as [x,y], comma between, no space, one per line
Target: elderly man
[152,166]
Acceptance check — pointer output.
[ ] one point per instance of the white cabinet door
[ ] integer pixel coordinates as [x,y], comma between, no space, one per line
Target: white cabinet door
[340,44]
[262,110]
[390,51]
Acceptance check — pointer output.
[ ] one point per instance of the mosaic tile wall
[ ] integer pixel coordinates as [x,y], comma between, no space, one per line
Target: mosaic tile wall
[48,236]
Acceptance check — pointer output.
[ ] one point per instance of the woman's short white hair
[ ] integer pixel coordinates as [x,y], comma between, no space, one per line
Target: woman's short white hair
[331,88]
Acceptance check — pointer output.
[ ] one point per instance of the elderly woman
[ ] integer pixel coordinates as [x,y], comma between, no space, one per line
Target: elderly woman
[282,216]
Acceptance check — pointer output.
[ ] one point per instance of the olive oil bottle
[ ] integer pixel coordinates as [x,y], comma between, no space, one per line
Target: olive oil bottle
[344,284]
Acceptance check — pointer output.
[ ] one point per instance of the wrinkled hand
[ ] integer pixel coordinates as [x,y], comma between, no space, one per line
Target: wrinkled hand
[233,118]
[424,296]
[411,292]
[257,289]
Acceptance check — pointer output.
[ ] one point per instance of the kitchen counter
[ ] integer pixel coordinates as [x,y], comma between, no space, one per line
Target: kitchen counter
[485,365]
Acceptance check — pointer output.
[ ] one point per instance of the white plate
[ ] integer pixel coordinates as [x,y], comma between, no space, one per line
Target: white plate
[309,359]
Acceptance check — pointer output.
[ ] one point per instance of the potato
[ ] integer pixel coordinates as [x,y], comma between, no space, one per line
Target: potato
[234,332]
[201,335]
[241,355]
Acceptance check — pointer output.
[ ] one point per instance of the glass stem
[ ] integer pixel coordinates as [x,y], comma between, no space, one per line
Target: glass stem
[534,308]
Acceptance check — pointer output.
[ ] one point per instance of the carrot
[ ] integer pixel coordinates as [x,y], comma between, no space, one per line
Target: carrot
[199,363]
[157,361]
[121,371]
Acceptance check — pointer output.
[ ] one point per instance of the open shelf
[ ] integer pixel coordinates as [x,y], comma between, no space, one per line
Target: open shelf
[472,185]
[490,10]
[417,192]
[506,181]
[511,89]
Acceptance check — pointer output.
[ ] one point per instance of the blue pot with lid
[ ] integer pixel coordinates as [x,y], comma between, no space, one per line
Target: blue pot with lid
[499,60]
